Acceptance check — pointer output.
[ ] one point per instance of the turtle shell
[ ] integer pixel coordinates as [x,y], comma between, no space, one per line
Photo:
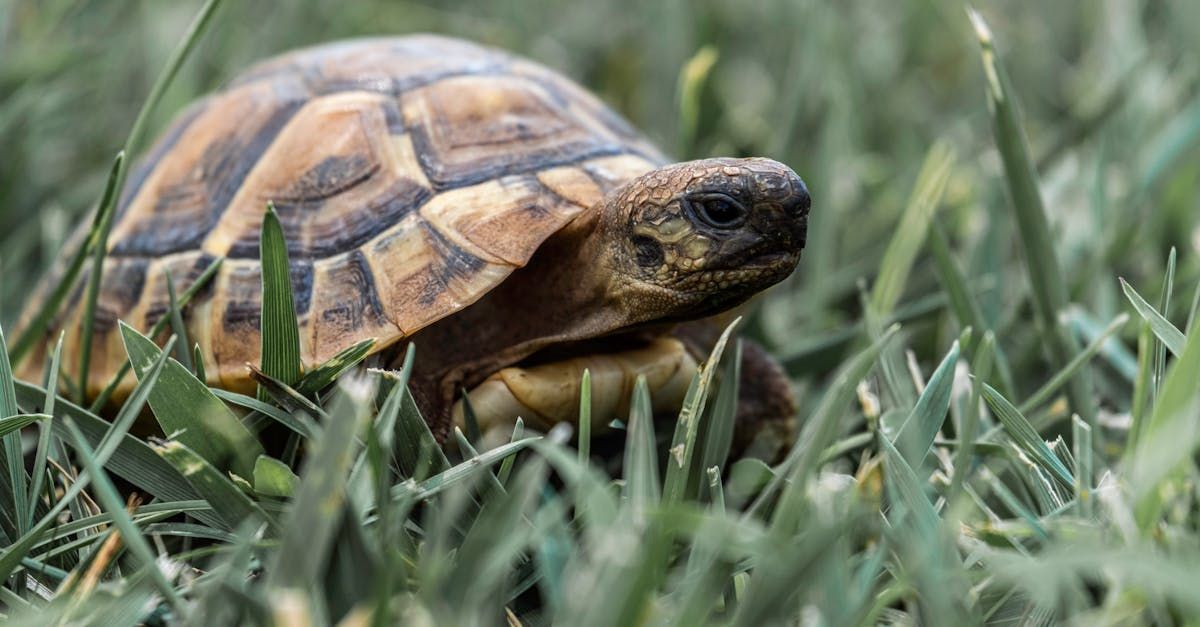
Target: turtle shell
[411,176]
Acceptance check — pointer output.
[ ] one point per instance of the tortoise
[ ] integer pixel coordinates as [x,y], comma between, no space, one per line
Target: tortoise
[451,195]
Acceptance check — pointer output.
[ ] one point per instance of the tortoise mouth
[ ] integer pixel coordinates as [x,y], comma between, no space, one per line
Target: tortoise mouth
[719,289]
[757,272]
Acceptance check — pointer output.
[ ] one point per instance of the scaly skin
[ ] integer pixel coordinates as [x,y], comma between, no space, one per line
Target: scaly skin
[679,243]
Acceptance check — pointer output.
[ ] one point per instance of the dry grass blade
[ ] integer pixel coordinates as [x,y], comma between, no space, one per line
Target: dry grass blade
[12,555]
[107,493]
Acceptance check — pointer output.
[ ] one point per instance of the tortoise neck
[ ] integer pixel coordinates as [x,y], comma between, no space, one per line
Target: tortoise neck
[562,295]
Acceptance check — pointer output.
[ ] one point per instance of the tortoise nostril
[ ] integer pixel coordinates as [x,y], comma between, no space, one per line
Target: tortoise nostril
[798,205]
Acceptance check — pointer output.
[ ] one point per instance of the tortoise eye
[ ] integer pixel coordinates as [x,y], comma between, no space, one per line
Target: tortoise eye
[718,210]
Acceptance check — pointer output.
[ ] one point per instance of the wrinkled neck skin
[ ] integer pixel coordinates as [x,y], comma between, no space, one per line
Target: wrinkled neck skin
[566,293]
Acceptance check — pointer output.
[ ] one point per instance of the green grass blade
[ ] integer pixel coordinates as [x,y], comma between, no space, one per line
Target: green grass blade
[45,429]
[1191,320]
[33,334]
[182,351]
[965,305]
[8,392]
[640,470]
[389,413]
[1025,436]
[181,52]
[1081,436]
[1164,305]
[507,465]
[201,281]
[1141,402]
[12,424]
[285,395]
[126,456]
[1062,376]
[308,532]
[585,417]
[1170,335]
[820,429]
[325,374]
[470,420]
[189,412]
[298,422]
[198,363]
[896,382]
[717,433]
[597,506]
[1169,436]
[274,478]
[280,326]
[980,368]
[915,436]
[417,451]
[432,486]
[1115,353]
[684,467]
[227,500]
[1041,257]
[941,588]
[909,236]
[469,453]
[98,245]
[12,555]
[908,493]
[132,537]
[14,460]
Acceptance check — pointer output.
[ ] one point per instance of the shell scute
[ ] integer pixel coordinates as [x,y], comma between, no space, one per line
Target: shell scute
[411,175]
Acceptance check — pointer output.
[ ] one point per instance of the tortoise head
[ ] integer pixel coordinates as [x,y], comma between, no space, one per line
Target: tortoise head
[696,238]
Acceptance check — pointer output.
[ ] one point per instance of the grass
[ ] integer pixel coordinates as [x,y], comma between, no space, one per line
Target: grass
[985,436]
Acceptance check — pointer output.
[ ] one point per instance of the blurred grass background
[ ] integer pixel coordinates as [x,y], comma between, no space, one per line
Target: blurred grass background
[851,95]
[878,105]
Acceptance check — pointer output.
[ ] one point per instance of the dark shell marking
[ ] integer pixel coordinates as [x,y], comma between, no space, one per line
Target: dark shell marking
[405,174]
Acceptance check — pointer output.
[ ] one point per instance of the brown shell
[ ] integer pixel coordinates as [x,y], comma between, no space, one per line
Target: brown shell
[411,175]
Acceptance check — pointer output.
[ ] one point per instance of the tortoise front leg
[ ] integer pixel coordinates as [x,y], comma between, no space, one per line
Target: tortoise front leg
[547,394]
